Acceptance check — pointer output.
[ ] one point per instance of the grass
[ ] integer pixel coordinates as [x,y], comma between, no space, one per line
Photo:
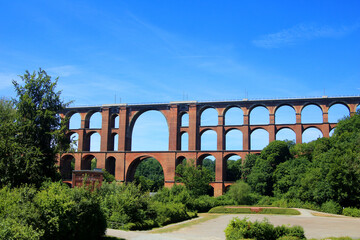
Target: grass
[174,227]
[254,210]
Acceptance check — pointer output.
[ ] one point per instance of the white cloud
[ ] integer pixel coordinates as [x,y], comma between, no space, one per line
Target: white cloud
[302,32]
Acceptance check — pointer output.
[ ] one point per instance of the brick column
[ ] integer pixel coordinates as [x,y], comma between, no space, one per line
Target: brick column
[352,109]
[298,126]
[82,141]
[105,129]
[246,131]
[325,126]
[220,130]
[193,128]
[325,110]
[271,129]
[172,117]
[123,126]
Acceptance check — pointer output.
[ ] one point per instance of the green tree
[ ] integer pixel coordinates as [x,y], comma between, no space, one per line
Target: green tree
[261,177]
[150,175]
[195,179]
[33,133]
[240,192]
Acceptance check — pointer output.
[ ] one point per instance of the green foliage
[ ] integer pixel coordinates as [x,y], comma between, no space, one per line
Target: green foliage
[127,207]
[195,179]
[107,176]
[353,212]
[248,165]
[331,207]
[53,212]
[179,194]
[234,170]
[149,175]
[32,133]
[209,165]
[240,229]
[241,193]
[169,213]
[261,178]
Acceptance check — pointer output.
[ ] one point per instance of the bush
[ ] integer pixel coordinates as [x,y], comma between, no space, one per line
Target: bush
[241,193]
[201,204]
[53,212]
[126,207]
[353,212]
[169,213]
[240,229]
[331,207]
[12,229]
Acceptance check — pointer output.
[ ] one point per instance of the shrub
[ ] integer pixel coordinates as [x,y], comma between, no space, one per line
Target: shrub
[241,193]
[331,207]
[12,229]
[240,229]
[201,204]
[353,212]
[53,212]
[125,206]
[65,213]
[169,213]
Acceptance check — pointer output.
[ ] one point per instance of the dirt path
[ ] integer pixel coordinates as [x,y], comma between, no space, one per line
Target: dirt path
[314,226]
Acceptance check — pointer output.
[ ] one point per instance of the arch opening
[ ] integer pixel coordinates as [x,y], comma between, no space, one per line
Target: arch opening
[74,141]
[311,114]
[115,142]
[286,134]
[75,121]
[337,112]
[234,116]
[184,141]
[311,134]
[208,140]
[88,162]
[185,120]
[209,117]
[95,141]
[95,121]
[148,173]
[259,116]
[233,168]
[285,115]
[110,164]
[259,139]
[180,160]
[332,132]
[208,161]
[67,165]
[114,121]
[234,140]
[150,132]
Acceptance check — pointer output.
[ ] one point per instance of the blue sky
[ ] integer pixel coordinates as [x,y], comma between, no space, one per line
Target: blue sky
[162,51]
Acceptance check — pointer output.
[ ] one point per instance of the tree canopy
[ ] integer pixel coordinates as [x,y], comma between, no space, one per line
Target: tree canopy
[32,133]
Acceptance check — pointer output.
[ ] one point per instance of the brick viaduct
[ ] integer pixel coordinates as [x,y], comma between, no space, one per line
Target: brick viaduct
[123,162]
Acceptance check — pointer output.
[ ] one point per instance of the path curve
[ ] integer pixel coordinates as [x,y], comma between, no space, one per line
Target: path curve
[314,227]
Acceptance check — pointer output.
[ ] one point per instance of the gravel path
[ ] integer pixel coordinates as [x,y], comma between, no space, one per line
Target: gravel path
[314,226]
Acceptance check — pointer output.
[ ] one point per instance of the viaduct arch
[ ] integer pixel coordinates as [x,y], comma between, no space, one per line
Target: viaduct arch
[119,119]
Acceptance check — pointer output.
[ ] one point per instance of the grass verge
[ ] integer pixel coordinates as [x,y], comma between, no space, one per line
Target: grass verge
[203,217]
[254,210]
